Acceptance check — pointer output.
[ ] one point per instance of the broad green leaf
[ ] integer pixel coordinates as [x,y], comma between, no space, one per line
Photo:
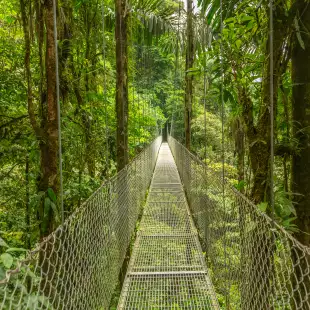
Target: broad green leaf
[238,43]
[55,210]
[51,194]
[2,273]
[300,40]
[228,96]
[47,204]
[262,206]
[3,243]
[7,260]
[229,20]
[15,250]
[288,222]
[244,17]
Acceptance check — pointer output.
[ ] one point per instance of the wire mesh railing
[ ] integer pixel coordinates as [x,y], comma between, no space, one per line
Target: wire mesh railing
[77,266]
[254,263]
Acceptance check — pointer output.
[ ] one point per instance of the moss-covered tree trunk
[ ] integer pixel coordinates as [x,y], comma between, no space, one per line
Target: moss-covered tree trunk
[49,143]
[47,130]
[188,76]
[301,133]
[258,135]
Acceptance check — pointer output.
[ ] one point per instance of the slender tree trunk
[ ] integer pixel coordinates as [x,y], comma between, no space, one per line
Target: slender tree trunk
[49,145]
[301,132]
[259,136]
[259,151]
[188,76]
[47,131]
[46,134]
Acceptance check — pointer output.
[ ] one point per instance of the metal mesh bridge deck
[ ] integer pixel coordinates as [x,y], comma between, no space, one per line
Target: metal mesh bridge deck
[167,269]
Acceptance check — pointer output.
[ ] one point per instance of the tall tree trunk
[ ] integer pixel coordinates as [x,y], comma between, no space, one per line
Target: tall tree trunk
[259,135]
[188,76]
[49,145]
[121,84]
[301,132]
[259,151]
[47,132]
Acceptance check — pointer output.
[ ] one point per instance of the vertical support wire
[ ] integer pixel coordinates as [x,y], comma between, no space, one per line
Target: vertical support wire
[143,75]
[105,87]
[122,90]
[271,64]
[204,87]
[223,149]
[133,80]
[175,71]
[147,64]
[58,114]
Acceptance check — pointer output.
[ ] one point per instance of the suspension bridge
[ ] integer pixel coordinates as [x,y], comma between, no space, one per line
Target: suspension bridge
[200,244]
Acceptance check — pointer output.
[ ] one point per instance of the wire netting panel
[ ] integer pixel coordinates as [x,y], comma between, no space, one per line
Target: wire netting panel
[167,253]
[178,291]
[77,266]
[167,269]
[164,196]
[254,263]
[166,218]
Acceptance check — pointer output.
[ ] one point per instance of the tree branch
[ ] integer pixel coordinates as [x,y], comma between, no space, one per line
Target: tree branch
[13,120]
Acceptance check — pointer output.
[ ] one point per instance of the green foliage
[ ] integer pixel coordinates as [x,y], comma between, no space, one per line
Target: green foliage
[87,107]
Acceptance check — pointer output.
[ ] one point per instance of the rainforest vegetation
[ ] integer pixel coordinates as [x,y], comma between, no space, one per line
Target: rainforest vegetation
[130,70]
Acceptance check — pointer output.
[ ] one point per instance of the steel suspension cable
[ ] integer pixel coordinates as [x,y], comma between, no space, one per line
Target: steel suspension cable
[223,146]
[147,64]
[271,64]
[204,88]
[105,86]
[133,80]
[125,146]
[58,113]
[143,68]
[175,71]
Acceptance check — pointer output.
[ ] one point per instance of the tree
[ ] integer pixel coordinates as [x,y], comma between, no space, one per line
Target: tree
[190,56]
[301,124]
[47,131]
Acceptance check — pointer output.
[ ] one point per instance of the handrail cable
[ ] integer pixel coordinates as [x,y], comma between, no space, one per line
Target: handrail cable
[58,114]
[105,87]
[227,302]
[175,71]
[271,64]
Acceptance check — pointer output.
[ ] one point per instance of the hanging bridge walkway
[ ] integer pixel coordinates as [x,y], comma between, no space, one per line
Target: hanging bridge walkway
[167,268]
[249,261]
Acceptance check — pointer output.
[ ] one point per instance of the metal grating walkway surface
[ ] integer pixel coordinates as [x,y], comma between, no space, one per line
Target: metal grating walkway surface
[167,269]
